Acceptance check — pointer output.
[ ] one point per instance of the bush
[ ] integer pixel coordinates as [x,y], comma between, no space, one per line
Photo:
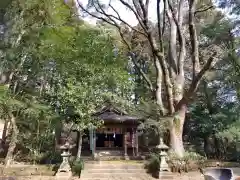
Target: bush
[71,160]
[153,163]
[178,164]
[51,158]
[77,167]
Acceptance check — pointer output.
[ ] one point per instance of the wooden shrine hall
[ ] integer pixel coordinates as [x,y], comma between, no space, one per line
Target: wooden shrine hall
[117,136]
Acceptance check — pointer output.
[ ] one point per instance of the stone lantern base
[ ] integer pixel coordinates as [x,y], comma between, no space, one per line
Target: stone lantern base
[64,170]
[165,175]
[63,175]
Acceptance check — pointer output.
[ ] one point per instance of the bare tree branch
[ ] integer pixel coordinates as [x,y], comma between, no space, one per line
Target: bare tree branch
[148,81]
[135,13]
[145,11]
[147,4]
[159,26]
[194,85]
[164,16]
[93,15]
[181,38]
[159,54]
[203,10]
[193,38]
[198,77]
[111,21]
[138,9]
[159,86]
[113,18]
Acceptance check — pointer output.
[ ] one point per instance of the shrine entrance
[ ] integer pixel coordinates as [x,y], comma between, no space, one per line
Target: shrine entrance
[118,134]
[109,140]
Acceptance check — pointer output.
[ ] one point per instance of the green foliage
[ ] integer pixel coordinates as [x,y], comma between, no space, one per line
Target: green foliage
[208,123]
[187,162]
[64,69]
[231,133]
[77,167]
[176,121]
[153,163]
[180,163]
[188,156]
[218,31]
[51,157]
[231,138]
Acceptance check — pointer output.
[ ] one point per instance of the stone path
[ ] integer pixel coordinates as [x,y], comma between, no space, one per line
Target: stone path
[106,170]
[189,176]
[110,170]
[136,177]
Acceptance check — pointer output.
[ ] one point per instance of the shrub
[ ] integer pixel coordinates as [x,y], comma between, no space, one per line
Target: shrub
[51,158]
[178,164]
[153,163]
[77,167]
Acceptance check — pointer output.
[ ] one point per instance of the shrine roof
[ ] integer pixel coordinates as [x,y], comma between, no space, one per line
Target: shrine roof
[110,113]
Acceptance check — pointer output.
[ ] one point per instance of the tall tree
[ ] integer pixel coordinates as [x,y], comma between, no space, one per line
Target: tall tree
[52,59]
[178,64]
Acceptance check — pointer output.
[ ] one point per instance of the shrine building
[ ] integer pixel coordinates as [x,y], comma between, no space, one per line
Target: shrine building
[116,137]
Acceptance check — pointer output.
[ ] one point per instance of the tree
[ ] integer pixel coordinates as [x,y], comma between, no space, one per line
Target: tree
[50,62]
[85,82]
[18,59]
[216,106]
[178,71]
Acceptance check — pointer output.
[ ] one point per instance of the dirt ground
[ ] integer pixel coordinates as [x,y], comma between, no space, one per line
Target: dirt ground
[189,176]
[36,172]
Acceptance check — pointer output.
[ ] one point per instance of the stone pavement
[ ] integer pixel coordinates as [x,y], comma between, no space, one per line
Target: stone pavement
[190,176]
[110,170]
[135,177]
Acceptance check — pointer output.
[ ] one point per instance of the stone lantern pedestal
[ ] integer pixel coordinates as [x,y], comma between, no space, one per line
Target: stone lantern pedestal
[64,171]
[164,170]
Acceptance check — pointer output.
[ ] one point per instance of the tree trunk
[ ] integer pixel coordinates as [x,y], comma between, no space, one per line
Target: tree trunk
[79,151]
[176,131]
[13,142]
[5,130]
[3,136]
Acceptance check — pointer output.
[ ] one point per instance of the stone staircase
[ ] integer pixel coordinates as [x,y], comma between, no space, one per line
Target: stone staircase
[114,170]
[127,170]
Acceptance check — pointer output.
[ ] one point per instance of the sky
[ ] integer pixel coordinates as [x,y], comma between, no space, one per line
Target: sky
[128,16]
[125,14]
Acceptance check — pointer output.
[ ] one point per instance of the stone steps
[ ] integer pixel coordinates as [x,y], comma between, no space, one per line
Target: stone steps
[114,170]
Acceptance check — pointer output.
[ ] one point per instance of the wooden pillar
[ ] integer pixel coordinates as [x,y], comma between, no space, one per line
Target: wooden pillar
[125,145]
[90,138]
[136,142]
[94,143]
[133,142]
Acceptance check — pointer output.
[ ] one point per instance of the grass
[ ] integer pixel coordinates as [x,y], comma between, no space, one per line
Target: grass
[27,170]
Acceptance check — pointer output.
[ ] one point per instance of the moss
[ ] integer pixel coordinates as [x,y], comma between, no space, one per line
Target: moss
[176,121]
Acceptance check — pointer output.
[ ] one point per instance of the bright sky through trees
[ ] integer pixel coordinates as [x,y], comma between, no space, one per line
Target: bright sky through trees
[124,13]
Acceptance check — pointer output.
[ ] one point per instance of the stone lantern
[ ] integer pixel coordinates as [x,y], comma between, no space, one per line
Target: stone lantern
[65,169]
[163,148]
